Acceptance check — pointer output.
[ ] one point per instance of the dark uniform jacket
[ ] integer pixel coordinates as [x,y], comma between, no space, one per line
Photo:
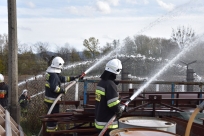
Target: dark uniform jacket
[107,103]
[52,86]
[23,100]
[3,94]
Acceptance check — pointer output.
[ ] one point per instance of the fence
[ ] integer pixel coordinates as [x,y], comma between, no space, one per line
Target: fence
[31,123]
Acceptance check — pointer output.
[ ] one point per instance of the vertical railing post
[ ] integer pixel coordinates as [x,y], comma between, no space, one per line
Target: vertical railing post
[201,95]
[85,91]
[76,91]
[172,93]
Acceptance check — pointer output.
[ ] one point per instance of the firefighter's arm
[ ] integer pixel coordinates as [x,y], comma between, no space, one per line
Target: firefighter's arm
[22,101]
[64,79]
[112,97]
[28,98]
[54,85]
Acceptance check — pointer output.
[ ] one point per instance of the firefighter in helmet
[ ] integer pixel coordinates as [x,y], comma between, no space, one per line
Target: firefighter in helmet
[3,92]
[53,87]
[24,99]
[107,97]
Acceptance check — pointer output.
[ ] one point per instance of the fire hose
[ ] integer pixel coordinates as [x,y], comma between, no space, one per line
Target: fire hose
[59,96]
[114,117]
[188,128]
[190,121]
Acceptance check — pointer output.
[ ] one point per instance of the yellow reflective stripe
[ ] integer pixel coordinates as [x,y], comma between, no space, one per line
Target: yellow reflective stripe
[47,85]
[49,101]
[47,76]
[113,103]
[57,89]
[21,101]
[101,127]
[100,92]
[97,97]
[68,78]
[50,130]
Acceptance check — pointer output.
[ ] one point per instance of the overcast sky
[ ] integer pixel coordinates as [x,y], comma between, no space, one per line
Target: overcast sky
[71,21]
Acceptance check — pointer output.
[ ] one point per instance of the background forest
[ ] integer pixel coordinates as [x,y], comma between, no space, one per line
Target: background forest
[140,55]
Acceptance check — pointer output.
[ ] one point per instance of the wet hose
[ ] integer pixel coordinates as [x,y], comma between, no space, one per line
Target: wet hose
[190,121]
[113,118]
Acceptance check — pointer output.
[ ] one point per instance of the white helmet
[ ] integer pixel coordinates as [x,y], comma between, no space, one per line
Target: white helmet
[57,62]
[1,78]
[24,91]
[56,65]
[114,66]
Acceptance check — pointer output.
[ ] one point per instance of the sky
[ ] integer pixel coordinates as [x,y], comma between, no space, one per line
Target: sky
[58,22]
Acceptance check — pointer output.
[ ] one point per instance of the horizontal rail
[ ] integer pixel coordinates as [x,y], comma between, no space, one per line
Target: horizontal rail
[153,82]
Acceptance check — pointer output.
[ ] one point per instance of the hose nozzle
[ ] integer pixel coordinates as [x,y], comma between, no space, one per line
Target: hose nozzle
[82,75]
[201,106]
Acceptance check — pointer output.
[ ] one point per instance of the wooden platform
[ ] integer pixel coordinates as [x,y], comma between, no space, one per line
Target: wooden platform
[8,127]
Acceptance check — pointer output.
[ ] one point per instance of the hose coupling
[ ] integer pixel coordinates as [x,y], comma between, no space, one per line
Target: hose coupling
[201,106]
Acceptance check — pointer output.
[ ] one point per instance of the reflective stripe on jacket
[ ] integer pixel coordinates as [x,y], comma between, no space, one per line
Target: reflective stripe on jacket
[107,103]
[3,94]
[101,125]
[52,85]
[23,100]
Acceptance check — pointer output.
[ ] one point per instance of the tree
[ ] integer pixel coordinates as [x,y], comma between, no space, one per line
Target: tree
[142,43]
[183,36]
[64,52]
[3,53]
[106,49]
[129,46]
[116,43]
[92,47]
[74,56]
[42,49]
[28,62]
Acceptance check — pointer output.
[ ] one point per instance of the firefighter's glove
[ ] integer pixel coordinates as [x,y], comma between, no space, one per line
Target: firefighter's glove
[29,98]
[79,77]
[120,112]
[62,91]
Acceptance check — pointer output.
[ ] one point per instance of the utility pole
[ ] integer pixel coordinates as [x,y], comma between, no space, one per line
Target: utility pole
[13,61]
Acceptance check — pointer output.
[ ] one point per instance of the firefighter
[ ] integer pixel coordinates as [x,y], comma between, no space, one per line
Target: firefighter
[24,99]
[53,87]
[107,98]
[3,92]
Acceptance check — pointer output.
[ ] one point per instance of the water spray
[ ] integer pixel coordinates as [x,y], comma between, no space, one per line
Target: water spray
[36,94]
[149,81]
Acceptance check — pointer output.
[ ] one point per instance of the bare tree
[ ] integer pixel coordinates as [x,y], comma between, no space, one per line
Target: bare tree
[107,48]
[116,43]
[183,36]
[129,47]
[91,46]
[74,55]
[64,52]
[42,49]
